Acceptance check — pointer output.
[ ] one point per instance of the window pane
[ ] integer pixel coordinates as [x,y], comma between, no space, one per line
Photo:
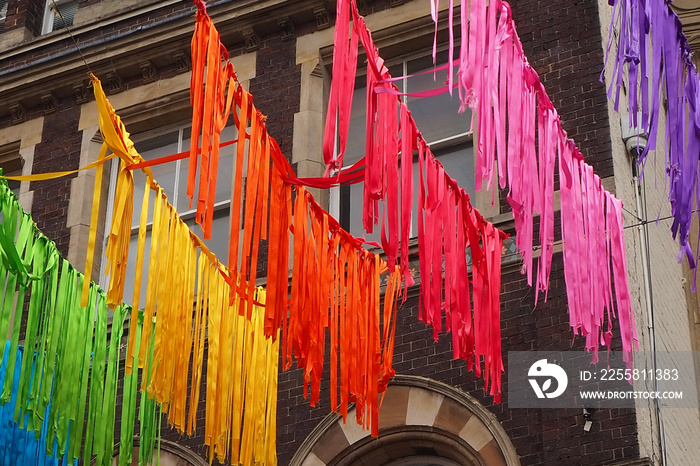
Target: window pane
[458,162]
[356,194]
[218,244]
[172,177]
[224,173]
[183,202]
[164,174]
[3,14]
[67,10]
[436,117]
[160,146]
[355,148]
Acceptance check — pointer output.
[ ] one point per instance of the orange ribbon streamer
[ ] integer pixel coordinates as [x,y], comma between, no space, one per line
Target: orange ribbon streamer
[212,90]
[331,274]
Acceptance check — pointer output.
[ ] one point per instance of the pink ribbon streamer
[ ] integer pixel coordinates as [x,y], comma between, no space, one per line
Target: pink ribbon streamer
[495,79]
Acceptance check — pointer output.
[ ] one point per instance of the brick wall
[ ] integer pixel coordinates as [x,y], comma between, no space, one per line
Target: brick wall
[276,88]
[25,13]
[59,150]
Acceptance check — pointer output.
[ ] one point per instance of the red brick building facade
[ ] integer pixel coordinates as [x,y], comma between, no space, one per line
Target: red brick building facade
[140,51]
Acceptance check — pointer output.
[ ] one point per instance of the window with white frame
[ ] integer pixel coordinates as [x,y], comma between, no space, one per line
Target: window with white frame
[58,14]
[172,177]
[3,14]
[446,131]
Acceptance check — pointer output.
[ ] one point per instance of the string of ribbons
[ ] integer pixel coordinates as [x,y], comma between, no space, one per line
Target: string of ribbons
[447,222]
[189,311]
[519,137]
[495,79]
[653,50]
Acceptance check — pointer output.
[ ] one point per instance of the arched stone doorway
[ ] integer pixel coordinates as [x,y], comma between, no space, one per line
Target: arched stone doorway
[421,423]
[171,454]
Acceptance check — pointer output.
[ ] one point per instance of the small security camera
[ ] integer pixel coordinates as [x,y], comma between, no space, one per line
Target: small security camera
[588,422]
[635,138]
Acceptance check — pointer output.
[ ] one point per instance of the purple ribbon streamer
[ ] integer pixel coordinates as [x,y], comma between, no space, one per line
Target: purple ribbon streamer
[637,23]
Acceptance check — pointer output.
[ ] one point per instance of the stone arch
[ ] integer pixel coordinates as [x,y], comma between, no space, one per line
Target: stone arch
[171,454]
[421,421]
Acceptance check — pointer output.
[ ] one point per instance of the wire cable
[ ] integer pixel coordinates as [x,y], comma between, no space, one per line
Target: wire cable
[65,25]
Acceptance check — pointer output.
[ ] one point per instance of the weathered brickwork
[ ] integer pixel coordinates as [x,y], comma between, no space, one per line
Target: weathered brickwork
[276,88]
[23,13]
[59,150]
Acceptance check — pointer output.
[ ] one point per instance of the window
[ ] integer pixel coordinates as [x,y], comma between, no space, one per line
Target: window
[58,14]
[172,177]
[437,118]
[11,164]
[3,14]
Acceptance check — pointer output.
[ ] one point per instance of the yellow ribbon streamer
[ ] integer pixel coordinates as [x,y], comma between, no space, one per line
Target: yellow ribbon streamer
[54,175]
[93,226]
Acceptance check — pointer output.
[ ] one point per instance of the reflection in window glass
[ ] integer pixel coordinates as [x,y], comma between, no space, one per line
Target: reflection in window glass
[3,14]
[59,14]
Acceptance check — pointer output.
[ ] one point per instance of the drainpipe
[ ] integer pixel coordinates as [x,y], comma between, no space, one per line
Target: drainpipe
[635,143]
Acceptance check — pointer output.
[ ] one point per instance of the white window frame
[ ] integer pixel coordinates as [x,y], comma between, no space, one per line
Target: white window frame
[50,14]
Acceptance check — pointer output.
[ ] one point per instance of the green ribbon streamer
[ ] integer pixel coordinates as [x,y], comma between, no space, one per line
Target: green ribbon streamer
[26,241]
[93,440]
[35,402]
[84,376]
[74,353]
[59,413]
[34,314]
[11,214]
[126,438]
[110,398]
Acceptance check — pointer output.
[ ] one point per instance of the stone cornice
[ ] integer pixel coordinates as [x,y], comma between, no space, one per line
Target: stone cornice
[160,43]
[689,13]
